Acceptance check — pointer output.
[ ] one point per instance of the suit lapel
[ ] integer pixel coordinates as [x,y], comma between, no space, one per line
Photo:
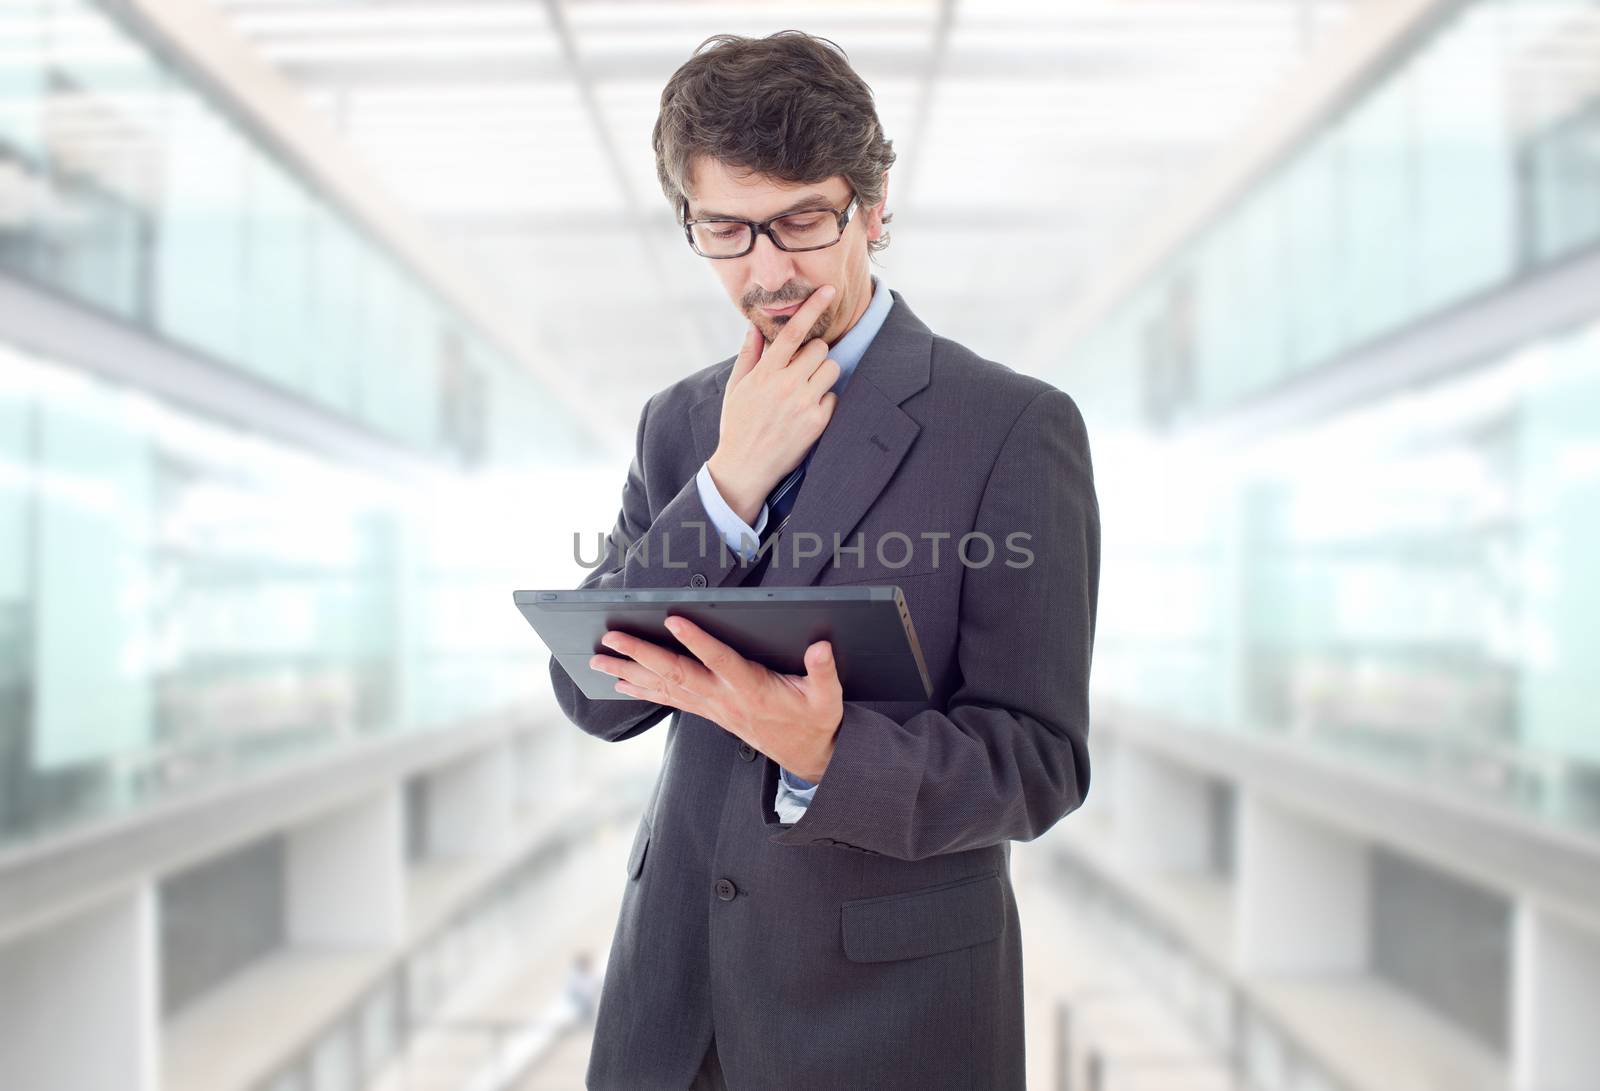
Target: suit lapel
[858,453]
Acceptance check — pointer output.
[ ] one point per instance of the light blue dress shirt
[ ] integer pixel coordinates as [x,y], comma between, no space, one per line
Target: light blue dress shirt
[794,794]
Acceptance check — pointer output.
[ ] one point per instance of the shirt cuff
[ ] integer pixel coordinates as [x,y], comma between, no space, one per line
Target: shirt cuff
[740,537]
[791,803]
[788,805]
[805,789]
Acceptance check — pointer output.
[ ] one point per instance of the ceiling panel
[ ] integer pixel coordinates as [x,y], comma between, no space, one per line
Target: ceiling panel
[1033,140]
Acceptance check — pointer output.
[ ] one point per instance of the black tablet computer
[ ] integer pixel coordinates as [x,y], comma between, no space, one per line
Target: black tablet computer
[875,646]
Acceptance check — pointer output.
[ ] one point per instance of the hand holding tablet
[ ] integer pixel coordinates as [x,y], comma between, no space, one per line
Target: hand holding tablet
[874,644]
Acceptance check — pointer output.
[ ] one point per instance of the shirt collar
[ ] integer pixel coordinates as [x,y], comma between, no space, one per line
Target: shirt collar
[848,350]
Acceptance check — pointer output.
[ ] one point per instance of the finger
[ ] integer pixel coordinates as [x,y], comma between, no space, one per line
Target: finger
[822,675]
[797,330]
[718,658]
[633,691]
[638,682]
[812,353]
[749,353]
[824,375]
[627,670]
[675,671]
[656,696]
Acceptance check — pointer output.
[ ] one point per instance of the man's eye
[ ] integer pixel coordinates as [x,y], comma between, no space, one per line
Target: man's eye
[727,232]
[803,223]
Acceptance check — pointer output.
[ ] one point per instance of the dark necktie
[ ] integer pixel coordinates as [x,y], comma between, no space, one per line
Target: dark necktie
[779,504]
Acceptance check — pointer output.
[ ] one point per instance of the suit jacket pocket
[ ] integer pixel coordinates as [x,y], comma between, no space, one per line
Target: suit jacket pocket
[641,844]
[924,922]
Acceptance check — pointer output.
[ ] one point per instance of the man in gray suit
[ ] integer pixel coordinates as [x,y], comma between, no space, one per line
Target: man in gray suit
[819,890]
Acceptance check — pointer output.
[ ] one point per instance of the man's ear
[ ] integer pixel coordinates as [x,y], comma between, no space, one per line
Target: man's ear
[875,213]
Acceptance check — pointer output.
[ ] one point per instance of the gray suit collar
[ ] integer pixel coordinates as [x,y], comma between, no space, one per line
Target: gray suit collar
[859,451]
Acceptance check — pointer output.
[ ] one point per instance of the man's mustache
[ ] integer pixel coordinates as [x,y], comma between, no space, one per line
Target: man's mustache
[781,298]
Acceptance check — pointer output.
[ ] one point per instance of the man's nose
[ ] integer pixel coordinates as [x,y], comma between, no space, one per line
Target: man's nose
[770,267]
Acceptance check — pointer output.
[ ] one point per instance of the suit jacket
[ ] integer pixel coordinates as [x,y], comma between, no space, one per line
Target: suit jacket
[875,942]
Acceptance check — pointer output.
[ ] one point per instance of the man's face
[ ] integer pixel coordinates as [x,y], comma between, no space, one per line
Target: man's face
[769,280]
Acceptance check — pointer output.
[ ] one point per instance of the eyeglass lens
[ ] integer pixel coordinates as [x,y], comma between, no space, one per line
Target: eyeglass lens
[800,231]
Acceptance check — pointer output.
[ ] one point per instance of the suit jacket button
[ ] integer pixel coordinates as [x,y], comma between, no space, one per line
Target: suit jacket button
[747,752]
[697,580]
[726,890]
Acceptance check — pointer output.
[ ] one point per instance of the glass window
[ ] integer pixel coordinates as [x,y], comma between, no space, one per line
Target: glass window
[1464,220]
[1377,198]
[125,187]
[1558,494]
[1564,169]
[1409,585]
[412,374]
[337,321]
[384,348]
[1259,294]
[92,576]
[100,127]
[1220,332]
[1553,105]
[276,278]
[1314,252]
[16,592]
[199,260]
[22,74]
[22,90]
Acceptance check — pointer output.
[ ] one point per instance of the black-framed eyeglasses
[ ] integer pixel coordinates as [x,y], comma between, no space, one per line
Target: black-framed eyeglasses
[806,229]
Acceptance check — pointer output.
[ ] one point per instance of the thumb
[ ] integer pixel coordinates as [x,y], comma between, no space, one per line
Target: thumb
[749,353]
[819,663]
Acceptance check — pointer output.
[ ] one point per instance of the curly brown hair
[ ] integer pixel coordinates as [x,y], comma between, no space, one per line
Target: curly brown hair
[787,106]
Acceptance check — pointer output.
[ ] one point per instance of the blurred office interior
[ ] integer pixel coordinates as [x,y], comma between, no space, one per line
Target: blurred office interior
[325,324]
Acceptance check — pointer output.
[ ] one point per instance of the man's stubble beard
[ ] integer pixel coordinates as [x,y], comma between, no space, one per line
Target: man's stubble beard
[766,323]
[818,330]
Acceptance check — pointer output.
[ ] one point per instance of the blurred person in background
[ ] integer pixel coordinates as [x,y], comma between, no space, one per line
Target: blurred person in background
[819,888]
[583,986]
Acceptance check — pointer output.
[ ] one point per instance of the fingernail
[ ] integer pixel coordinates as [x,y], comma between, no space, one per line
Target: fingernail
[827,291]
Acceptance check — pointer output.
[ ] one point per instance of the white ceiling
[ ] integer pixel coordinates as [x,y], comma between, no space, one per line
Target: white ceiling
[1033,139]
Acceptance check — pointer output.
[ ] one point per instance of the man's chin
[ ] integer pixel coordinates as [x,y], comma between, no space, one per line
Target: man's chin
[771,325]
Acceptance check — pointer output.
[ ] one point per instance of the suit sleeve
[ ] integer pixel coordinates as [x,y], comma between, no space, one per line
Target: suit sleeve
[670,549]
[1008,756]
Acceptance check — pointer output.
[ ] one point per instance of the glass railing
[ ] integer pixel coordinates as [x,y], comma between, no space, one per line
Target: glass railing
[125,187]
[1412,585]
[181,601]
[1471,161]
[1409,584]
